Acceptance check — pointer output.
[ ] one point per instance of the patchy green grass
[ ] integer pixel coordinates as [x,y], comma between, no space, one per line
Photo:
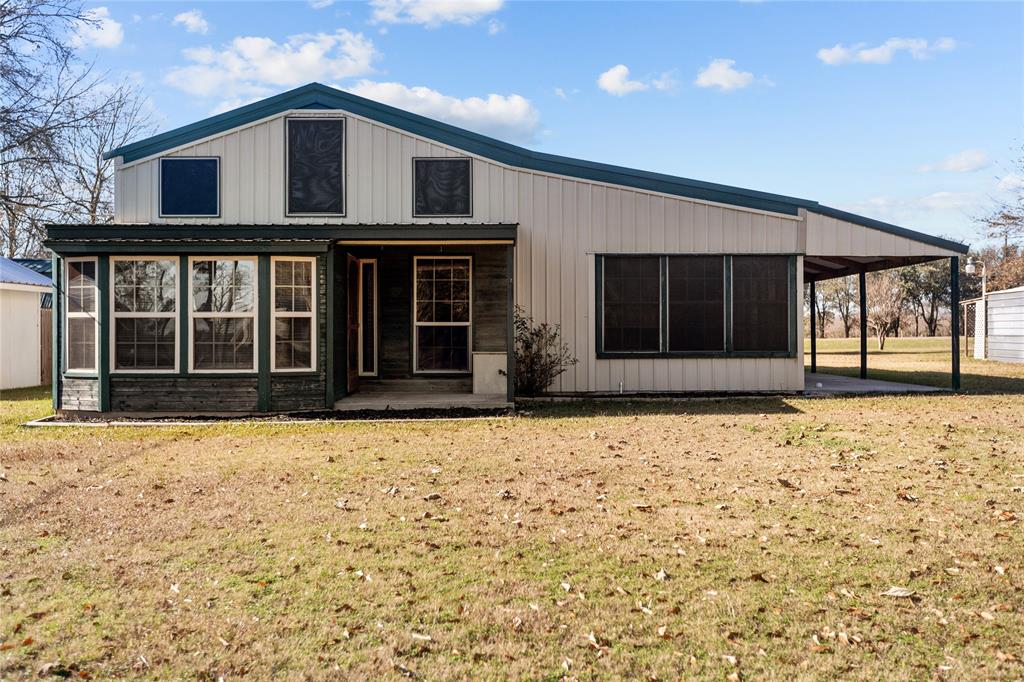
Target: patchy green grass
[916,361]
[662,540]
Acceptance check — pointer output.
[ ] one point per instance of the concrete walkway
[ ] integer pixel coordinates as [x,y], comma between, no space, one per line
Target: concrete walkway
[833,384]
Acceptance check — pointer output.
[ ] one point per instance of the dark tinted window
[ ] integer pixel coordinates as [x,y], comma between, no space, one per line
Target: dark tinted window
[315,177]
[696,303]
[632,306]
[188,187]
[760,309]
[442,186]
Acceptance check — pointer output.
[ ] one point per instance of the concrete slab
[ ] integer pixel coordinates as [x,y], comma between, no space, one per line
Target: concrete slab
[833,384]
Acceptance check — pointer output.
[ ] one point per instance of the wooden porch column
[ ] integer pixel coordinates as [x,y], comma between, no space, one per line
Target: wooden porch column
[862,285]
[814,330]
[954,322]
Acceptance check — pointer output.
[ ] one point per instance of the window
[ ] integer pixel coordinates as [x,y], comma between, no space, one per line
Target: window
[683,305]
[632,304]
[189,187]
[144,314]
[316,168]
[443,313]
[294,313]
[223,314]
[760,309]
[81,349]
[443,187]
[696,303]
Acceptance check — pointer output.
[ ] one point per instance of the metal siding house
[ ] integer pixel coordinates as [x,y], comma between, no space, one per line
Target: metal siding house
[317,247]
[999,325]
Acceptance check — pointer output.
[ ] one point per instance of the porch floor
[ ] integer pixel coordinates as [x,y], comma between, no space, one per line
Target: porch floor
[834,384]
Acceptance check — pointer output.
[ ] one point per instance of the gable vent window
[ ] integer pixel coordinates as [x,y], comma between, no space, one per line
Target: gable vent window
[316,168]
[189,187]
[443,187]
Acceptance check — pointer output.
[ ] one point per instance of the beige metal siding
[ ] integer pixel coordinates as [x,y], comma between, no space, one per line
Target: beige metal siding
[1006,325]
[827,236]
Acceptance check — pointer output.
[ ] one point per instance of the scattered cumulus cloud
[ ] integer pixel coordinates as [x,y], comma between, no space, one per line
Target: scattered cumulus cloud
[862,53]
[193,21]
[615,81]
[509,117]
[563,94]
[494,27]
[101,31]
[320,4]
[722,74]
[919,210]
[1011,182]
[967,161]
[433,13]
[251,67]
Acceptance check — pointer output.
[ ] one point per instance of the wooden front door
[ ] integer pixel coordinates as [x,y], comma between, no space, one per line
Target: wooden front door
[353,290]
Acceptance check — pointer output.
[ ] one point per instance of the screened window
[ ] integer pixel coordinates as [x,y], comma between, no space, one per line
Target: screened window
[443,314]
[80,304]
[632,303]
[760,310]
[316,180]
[145,321]
[696,303]
[443,187]
[223,314]
[294,313]
[189,187]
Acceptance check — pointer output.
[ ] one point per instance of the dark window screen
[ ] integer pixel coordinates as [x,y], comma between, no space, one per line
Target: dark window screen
[760,308]
[188,187]
[696,303]
[632,308]
[315,178]
[442,186]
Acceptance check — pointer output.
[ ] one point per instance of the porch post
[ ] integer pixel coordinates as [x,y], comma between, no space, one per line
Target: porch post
[103,307]
[814,331]
[954,322]
[863,325]
[510,331]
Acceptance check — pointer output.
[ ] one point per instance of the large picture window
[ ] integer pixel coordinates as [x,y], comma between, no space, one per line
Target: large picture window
[80,348]
[442,313]
[443,187]
[316,166]
[294,313]
[223,314]
[144,314]
[690,305]
[189,187]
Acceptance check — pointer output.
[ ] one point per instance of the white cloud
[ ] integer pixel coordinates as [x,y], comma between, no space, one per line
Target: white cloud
[615,81]
[433,13]
[320,4]
[666,81]
[509,117]
[494,27]
[861,53]
[962,162]
[1011,182]
[192,20]
[721,74]
[101,31]
[919,210]
[251,66]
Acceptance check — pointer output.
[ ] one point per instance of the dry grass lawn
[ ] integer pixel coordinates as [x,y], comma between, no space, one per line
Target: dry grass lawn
[703,539]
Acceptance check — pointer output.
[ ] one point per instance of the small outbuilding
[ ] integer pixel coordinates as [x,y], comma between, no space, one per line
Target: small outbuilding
[998,324]
[22,336]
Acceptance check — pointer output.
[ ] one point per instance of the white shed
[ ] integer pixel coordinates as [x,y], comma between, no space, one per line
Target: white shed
[999,326]
[21,293]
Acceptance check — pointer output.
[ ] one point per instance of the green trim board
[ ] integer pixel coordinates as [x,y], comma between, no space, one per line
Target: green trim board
[184,333]
[56,321]
[103,331]
[263,340]
[321,97]
[312,236]
[329,330]
[157,247]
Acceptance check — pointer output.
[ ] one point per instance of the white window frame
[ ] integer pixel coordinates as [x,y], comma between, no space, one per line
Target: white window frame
[254,314]
[114,315]
[310,314]
[94,315]
[376,317]
[312,116]
[416,323]
[160,187]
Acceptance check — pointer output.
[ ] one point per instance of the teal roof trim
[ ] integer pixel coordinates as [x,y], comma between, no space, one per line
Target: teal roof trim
[318,96]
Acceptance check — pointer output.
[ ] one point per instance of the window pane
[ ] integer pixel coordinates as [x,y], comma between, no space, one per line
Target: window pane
[81,343]
[189,187]
[315,178]
[442,349]
[144,343]
[442,186]
[222,343]
[760,291]
[632,307]
[144,286]
[81,286]
[293,343]
[223,285]
[696,303]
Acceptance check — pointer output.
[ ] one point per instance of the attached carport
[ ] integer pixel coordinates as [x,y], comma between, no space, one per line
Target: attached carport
[841,244]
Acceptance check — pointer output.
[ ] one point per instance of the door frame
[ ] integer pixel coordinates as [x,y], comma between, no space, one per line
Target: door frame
[351,322]
[376,317]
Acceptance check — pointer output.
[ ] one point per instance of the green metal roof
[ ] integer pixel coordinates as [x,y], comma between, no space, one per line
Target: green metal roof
[318,96]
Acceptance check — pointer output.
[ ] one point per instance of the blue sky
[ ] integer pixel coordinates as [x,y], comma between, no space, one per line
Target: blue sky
[907,112]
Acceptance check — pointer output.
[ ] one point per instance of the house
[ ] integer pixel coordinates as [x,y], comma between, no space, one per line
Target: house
[316,248]
[998,325]
[24,339]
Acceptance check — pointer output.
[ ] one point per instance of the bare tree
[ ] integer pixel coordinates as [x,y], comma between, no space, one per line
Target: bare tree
[822,307]
[842,297]
[927,291]
[885,294]
[1005,222]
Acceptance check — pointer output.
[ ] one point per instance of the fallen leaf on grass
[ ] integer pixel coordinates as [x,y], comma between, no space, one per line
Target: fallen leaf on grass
[907,497]
[786,483]
[662,575]
[431,497]
[899,592]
